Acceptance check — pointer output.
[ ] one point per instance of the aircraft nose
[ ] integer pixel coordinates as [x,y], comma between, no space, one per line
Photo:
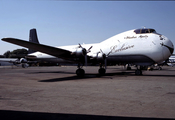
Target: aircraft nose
[168,47]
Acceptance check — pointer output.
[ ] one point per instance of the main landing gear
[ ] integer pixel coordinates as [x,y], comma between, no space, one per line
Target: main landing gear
[128,68]
[24,65]
[138,71]
[80,72]
[102,70]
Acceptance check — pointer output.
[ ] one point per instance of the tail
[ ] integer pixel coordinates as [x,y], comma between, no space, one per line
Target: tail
[33,38]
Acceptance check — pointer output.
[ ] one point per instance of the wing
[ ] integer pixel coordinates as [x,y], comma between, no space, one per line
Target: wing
[57,52]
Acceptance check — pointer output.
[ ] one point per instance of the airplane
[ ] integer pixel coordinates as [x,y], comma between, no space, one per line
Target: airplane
[171,61]
[14,61]
[140,47]
[30,59]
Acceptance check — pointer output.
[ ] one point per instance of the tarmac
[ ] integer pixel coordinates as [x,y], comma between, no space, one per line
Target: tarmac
[57,93]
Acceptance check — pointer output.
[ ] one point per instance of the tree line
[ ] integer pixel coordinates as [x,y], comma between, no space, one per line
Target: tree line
[18,53]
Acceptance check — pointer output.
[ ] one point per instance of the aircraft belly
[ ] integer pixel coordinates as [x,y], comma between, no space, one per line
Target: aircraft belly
[131,59]
[54,60]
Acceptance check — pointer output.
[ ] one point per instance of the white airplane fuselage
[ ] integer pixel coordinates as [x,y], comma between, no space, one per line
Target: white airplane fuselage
[127,47]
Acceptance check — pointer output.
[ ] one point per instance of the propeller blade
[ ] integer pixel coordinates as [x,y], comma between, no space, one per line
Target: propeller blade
[85,57]
[101,51]
[108,53]
[89,50]
[105,63]
[80,45]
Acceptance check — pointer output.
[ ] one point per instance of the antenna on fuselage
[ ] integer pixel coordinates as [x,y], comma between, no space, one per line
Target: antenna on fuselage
[143,27]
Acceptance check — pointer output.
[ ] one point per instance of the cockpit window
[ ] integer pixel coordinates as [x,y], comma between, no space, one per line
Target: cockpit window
[152,31]
[144,30]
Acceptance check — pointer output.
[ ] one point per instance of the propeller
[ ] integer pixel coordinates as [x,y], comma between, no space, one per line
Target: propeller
[84,51]
[104,56]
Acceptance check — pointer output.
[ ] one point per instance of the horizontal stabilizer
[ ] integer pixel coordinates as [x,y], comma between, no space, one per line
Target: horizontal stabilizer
[8,60]
[57,52]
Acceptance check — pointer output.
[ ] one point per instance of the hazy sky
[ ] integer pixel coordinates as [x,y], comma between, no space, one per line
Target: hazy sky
[61,23]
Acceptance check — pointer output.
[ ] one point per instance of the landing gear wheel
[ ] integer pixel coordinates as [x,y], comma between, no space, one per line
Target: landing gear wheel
[138,72]
[24,65]
[160,68]
[128,68]
[101,71]
[80,72]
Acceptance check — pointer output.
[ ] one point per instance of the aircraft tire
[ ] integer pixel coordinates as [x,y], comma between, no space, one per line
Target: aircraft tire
[24,65]
[138,72]
[101,71]
[160,68]
[80,72]
[128,68]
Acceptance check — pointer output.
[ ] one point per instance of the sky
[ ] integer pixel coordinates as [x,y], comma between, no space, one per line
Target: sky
[60,23]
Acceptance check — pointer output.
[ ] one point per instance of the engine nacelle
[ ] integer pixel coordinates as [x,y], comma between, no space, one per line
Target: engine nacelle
[99,56]
[23,60]
[80,52]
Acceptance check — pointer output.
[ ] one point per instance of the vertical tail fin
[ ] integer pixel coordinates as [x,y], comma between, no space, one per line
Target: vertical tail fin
[33,38]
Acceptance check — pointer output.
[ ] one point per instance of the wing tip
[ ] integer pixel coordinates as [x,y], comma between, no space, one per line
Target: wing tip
[8,39]
[5,39]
